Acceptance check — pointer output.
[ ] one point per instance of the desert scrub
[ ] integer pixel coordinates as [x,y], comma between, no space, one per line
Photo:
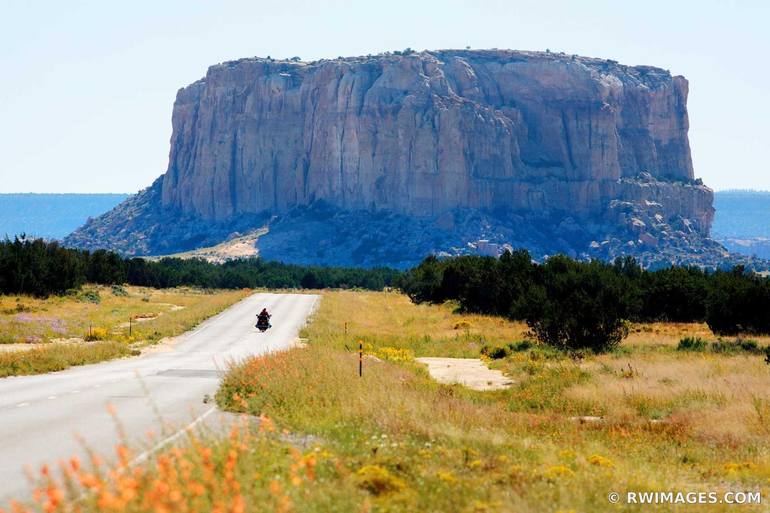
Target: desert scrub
[57,357]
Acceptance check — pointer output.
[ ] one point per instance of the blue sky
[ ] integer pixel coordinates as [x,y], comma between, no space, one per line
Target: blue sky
[86,88]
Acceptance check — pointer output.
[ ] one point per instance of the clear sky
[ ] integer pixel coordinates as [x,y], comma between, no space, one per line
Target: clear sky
[86,87]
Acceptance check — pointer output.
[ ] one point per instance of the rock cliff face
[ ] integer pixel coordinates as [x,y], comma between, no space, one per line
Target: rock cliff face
[427,135]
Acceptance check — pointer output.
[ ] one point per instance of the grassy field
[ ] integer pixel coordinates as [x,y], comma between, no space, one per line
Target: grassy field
[42,335]
[395,440]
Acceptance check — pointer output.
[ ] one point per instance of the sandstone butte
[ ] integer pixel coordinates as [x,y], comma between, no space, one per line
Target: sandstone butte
[513,135]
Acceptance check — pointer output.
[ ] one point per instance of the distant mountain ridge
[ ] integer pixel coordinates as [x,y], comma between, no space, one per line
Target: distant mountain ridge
[51,216]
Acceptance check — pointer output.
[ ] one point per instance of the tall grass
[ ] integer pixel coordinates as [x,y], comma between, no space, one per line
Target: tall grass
[58,357]
[395,440]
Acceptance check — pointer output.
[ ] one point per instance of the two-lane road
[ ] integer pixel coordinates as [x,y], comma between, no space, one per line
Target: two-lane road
[42,416]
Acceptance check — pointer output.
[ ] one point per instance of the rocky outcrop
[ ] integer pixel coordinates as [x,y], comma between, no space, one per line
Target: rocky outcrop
[428,136]
[425,133]
[141,225]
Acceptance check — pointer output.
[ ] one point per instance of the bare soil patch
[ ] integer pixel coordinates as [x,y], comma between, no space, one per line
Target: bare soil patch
[469,372]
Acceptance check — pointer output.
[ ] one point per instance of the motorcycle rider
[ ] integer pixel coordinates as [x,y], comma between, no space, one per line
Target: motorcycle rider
[263,317]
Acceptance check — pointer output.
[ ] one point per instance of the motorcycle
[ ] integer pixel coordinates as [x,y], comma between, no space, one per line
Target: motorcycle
[263,323]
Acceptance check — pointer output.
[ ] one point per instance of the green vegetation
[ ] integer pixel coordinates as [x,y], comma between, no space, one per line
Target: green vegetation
[692,344]
[586,305]
[58,357]
[568,304]
[42,268]
[739,345]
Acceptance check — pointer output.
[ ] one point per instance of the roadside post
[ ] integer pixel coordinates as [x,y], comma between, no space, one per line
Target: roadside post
[360,358]
[130,318]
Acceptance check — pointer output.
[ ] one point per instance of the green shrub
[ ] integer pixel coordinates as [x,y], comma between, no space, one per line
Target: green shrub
[731,302]
[691,344]
[498,353]
[118,290]
[578,306]
[520,346]
[739,345]
[90,296]
[738,303]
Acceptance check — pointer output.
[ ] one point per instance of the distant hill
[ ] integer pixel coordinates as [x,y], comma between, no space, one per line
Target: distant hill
[742,221]
[51,216]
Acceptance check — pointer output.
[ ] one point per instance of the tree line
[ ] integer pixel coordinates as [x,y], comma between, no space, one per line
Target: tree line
[41,268]
[567,303]
[574,305]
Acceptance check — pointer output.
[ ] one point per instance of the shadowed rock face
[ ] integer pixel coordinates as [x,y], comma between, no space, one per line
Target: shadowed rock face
[384,159]
[426,133]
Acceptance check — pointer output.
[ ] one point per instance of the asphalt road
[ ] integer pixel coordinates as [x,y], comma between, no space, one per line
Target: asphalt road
[42,417]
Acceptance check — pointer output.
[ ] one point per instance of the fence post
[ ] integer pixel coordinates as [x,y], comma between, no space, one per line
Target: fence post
[360,358]
[130,318]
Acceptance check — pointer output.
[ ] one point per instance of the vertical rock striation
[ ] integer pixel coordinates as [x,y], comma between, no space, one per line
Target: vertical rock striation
[597,149]
[426,133]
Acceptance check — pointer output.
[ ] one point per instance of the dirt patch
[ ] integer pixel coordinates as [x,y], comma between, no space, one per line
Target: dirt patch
[72,340]
[469,372]
[164,345]
[12,348]
[243,246]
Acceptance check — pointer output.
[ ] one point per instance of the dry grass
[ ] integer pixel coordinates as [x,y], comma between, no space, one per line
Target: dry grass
[57,357]
[721,397]
[397,441]
[30,320]
[667,334]
[389,319]
[672,420]
[56,327]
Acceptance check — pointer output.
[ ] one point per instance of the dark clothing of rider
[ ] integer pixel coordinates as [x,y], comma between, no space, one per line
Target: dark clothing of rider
[263,315]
